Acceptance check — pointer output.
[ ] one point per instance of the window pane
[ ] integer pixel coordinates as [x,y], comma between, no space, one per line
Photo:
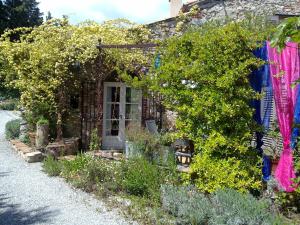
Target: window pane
[112,111]
[132,95]
[113,94]
[132,111]
[112,128]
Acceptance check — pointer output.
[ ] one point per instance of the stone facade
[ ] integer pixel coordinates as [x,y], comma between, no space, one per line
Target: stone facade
[235,9]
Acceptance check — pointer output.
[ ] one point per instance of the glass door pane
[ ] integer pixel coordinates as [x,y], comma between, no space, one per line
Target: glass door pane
[112,114]
[132,106]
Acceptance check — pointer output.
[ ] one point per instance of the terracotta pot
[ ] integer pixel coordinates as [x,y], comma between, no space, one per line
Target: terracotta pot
[274,165]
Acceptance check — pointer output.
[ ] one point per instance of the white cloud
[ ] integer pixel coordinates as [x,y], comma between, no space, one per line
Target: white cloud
[142,11]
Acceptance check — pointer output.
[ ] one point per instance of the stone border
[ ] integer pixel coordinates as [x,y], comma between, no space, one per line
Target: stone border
[26,152]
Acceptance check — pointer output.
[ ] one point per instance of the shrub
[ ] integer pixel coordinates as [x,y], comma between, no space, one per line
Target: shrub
[225,207]
[102,175]
[12,129]
[73,167]
[52,167]
[209,174]
[232,207]
[42,121]
[204,78]
[8,105]
[189,206]
[142,178]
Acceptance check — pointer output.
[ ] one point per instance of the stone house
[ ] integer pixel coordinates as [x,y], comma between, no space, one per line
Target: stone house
[110,105]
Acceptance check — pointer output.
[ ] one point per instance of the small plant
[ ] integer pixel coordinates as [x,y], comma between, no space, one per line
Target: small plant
[71,168]
[223,207]
[167,138]
[232,207]
[25,139]
[185,203]
[52,167]
[8,105]
[12,129]
[275,148]
[95,141]
[42,121]
[142,178]
[142,139]
[101,176]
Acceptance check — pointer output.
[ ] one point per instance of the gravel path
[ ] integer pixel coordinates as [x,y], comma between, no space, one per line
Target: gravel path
[28,196]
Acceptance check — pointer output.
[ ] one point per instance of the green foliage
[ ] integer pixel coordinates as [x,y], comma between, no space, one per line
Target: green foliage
[224,207]
[9,105]
[25,139]
[188,205]
[42,121]
[71,168]
[49,62]
[103,175]
[12,129]
[210,173]
[141,178]
[288,30]
[203,77]
[95,140]
[231,207]
[52,167]
[288,202]
[142,139]
[19,13]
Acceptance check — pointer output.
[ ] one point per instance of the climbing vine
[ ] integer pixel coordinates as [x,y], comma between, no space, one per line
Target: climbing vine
[48,62]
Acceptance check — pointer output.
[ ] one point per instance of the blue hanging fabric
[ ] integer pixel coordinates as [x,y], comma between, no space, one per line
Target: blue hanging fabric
[261,82]
[296,129]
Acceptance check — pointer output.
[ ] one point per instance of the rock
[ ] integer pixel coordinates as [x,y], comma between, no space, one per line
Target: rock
[33,157]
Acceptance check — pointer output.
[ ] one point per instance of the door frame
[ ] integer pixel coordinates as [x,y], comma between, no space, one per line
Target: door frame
[117,142]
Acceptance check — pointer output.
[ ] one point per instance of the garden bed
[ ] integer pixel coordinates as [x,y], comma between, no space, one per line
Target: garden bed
[155,195]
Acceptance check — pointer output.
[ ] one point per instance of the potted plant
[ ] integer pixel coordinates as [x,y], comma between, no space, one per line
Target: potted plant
[273,148]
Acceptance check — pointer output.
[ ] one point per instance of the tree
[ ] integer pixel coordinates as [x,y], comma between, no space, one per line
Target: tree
[19,13]
[49,16]
[3,17]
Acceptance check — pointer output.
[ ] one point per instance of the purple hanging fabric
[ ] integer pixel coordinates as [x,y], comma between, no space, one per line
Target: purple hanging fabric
[284,69]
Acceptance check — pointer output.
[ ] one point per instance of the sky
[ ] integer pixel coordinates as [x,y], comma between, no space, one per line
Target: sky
[140,11]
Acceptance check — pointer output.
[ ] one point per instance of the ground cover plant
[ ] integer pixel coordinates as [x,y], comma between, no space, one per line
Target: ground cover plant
[223,207]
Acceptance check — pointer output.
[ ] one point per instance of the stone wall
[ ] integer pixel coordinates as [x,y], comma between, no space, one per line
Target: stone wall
[235,9]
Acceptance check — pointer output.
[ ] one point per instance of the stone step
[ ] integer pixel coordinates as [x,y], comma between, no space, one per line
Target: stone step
[33,157]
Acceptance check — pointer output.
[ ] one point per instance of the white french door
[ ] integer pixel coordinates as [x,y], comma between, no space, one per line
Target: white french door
[122,105]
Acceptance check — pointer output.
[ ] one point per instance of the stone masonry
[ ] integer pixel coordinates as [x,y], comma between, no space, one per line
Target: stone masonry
[234,9]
